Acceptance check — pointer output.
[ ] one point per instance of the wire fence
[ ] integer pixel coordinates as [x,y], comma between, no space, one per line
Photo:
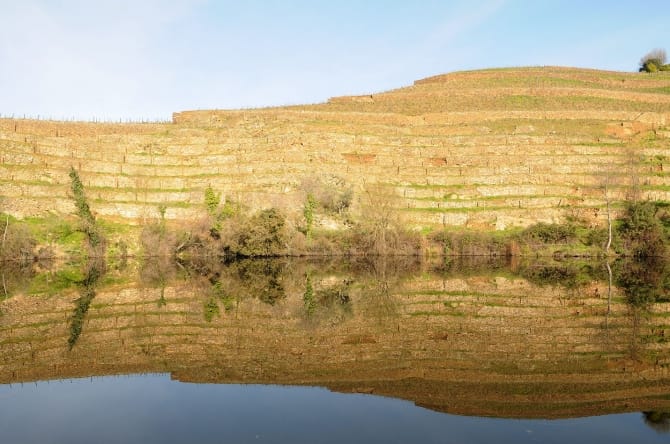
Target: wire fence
[94,119]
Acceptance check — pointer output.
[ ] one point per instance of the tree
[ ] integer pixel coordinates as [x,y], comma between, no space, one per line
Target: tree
[263,235]
[96,241]
[655,60]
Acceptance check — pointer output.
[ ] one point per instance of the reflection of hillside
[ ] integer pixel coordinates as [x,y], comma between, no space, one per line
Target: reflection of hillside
[484,344]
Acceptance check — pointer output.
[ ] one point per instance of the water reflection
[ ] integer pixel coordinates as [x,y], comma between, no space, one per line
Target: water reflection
[659,421]
[154,409]
[93,271]
[492,338]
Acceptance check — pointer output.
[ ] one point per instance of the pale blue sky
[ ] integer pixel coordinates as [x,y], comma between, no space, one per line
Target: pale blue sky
[135,59]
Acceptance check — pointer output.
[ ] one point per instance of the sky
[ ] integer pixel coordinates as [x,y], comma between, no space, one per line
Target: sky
[144,59]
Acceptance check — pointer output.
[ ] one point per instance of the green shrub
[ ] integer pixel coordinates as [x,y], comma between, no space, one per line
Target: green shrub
[217,212]
[596,237]
[653,61]
[650,66]
[308,213]
[549,233]
[262,235]
[267,236]
[211,309]
[211,201]
[642,232]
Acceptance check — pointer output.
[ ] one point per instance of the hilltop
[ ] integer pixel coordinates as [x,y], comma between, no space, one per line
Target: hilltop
[486,150]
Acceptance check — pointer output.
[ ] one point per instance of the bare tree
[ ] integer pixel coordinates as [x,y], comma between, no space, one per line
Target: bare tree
[609,215]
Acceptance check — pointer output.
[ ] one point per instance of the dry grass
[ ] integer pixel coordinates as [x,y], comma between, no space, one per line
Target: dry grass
[486,132]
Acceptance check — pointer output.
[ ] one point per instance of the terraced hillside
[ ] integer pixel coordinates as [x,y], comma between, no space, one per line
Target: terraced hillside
[484,149]
[479,345]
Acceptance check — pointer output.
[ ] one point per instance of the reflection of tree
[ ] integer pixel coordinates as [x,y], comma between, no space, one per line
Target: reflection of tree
[327,301]
[569,275]
[14,278]
[643,281]
[659,421]
[251,278]
[308,296]
[156,273]
[93,272]
[273,291]
[384,276]
[211,309]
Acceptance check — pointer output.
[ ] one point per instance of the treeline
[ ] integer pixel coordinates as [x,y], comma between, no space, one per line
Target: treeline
[642,231]
[327,226]
[228,230]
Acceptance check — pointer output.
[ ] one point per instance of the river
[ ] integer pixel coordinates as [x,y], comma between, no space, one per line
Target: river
[335,351]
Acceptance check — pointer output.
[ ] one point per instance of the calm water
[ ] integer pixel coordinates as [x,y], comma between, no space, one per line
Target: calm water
[155,409]
[278,351]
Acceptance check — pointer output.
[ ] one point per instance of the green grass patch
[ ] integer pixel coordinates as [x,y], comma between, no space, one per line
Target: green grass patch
[457,314]
[657,90]
[524,102]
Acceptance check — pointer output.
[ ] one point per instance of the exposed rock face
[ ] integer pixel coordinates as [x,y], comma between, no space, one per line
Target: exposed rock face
[481,345]
[486,149]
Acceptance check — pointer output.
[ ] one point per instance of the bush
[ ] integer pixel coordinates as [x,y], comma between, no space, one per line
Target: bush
[471,244]
[333,197]
[549,233]
[157,241]
[218,213]
[308,213]
[650,66]
[642,231]
[212,201]
[654,61]
[17,243]
[596,237]
[211,309]
[262,235]
[377,238]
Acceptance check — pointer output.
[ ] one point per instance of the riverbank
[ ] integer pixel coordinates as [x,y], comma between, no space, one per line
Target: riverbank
[642,231]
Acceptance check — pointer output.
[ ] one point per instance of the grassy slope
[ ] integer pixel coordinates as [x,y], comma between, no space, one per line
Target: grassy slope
[483,150]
